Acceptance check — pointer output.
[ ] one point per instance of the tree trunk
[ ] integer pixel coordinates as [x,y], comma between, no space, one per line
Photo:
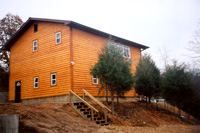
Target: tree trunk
[112,99]
[106,94]
[157,104]
[149,99]
[179,112]
[146,102]
[117,100]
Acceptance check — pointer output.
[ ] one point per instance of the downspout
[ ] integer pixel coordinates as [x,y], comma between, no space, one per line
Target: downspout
[71,59]
[141,53]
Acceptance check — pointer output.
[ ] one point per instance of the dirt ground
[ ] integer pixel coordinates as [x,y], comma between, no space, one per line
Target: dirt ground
[129,117]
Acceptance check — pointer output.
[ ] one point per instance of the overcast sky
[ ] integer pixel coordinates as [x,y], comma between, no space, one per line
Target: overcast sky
[159,24]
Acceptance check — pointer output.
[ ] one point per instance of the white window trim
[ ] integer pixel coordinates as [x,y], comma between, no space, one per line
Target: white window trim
[123,47]
[94,78]
[54,79]
[58,38]
[36,82]
[34,46]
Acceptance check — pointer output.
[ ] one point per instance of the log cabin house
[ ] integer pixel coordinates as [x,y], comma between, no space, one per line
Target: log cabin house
[49,57]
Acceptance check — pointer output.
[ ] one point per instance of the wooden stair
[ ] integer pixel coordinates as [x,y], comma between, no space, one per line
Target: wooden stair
[87,111]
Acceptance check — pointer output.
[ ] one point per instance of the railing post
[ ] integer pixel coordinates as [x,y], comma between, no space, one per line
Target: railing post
[70,100]
[92,114]
[105,114]
[83,95]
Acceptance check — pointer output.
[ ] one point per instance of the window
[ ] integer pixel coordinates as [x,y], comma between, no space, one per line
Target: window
[35,46]
[35,27]
[58,38]
[53,79]
[95,79]
[126,51]
[36,82]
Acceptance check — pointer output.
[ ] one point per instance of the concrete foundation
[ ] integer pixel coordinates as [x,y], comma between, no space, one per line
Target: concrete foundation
[3,97]
[53,99]
[9,123]
[65,99]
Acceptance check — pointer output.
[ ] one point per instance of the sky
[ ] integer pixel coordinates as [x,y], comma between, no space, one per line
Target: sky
[159,24]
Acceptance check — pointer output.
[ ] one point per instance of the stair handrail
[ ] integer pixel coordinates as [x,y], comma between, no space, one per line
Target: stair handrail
[96,100]
[70,91]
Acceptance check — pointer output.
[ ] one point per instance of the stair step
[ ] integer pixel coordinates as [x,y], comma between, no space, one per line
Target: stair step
[105,124]
[89,115]
[98,118]
[85,109]
[86,112]
[81,103]
[79,106]
[100,121]
[76,104]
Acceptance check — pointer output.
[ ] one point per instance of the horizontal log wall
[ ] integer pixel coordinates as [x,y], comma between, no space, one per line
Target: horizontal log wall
[50,57]
[86,47]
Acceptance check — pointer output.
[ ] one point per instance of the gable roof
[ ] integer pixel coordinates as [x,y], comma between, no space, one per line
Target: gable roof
[73,24]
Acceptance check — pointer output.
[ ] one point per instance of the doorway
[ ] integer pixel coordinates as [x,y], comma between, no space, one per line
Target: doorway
[17,91]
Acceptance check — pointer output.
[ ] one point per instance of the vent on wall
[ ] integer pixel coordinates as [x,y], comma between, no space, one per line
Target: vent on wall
[130,61]
[35,27]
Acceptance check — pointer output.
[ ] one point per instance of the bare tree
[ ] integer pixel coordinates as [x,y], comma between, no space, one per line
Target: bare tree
[194,45]
[8,26]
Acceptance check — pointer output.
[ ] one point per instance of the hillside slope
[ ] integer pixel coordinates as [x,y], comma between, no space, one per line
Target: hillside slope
[129,117]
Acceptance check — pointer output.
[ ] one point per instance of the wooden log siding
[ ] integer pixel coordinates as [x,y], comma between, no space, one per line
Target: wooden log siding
[86,47]
[51,57]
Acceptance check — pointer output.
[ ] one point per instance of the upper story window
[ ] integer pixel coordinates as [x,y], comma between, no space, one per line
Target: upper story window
[94,79]
[35,46]
[53,79]
[35,27]
[58,37]
[126,50]
[36,82]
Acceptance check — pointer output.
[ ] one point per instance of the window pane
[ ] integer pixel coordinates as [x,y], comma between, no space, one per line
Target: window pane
[58,40]
[120,48]
[94,81]
[53,76]
[36,79]
[53,82]
[127,52]
[36,85]
[58,35]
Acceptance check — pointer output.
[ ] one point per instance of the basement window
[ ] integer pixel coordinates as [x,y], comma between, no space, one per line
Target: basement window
[36,82]
[53,79]
[58,37]
[35,46]
[95,79]
[35,27]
